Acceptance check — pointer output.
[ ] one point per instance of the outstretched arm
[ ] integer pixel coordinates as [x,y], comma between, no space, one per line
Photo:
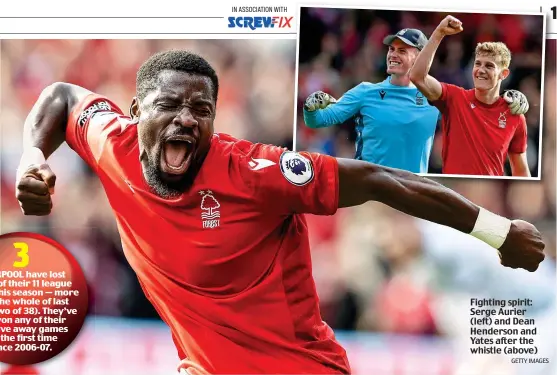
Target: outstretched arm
[414,195]
[43,133]
[322,110]
[518,242]
[419,74]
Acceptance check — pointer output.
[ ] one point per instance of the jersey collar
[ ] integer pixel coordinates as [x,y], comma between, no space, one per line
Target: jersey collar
[473,99]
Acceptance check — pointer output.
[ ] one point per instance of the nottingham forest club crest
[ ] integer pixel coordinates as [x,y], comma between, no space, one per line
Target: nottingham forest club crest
[210,214]
[502,120]
[419,98]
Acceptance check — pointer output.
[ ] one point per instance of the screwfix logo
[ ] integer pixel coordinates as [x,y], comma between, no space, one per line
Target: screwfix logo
[253,23]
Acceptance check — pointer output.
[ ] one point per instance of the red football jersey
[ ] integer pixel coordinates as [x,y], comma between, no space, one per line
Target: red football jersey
[226,264]
[477,137]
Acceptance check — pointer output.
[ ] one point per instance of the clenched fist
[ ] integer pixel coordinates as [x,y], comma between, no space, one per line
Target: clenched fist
[523,247]
[449,26]
[34,189]
[318,100]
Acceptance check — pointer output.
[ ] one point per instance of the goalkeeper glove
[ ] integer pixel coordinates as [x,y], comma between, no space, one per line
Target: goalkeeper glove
[518,104]
[318,100]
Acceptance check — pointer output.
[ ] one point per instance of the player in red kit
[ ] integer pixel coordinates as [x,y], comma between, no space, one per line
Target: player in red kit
[479,130]
[214,226]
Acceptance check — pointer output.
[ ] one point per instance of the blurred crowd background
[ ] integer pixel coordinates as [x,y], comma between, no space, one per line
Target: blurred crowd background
[340,48]
[396,290]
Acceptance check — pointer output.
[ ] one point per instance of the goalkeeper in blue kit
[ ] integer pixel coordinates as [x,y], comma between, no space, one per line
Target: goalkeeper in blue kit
[395,124]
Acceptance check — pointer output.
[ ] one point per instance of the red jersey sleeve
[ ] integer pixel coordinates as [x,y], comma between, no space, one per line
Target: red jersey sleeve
[448,92]
[520,137]
[288,182]
[91,123]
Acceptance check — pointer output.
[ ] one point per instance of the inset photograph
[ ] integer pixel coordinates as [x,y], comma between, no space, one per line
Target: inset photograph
[433,93]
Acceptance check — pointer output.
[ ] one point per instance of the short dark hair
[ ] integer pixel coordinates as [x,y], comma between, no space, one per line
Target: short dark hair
[177,60]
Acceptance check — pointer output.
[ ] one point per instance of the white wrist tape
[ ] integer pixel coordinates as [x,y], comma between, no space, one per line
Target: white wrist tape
[31,155]
[491,228]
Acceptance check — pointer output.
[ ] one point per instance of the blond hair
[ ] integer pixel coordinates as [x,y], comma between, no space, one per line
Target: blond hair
[494,49]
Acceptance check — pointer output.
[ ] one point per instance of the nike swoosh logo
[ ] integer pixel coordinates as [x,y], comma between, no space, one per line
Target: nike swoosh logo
[257,164]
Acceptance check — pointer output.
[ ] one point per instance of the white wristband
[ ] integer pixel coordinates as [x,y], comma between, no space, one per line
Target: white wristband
[491,228]
[31,155]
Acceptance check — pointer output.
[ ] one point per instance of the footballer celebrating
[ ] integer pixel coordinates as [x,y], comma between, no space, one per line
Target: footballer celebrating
[214,226]
[395,124]
[479,131]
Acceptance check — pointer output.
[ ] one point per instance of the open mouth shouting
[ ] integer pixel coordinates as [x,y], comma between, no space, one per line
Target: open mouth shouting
[177,154]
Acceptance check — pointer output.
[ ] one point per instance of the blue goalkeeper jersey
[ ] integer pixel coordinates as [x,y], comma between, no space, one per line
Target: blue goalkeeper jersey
[395,125]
